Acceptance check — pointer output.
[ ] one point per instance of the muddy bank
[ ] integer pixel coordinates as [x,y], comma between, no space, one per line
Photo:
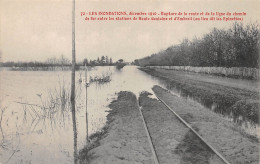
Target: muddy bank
[238,100]
[173,141]
[234,145]
[123,139]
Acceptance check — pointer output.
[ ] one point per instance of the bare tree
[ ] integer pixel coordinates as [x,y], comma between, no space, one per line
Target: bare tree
[237,46]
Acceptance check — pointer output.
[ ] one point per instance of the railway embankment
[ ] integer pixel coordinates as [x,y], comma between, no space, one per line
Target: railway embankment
[124,138]
[224,135]
[172,140]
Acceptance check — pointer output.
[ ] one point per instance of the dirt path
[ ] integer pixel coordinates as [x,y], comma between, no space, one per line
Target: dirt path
[225,136]
[251,85]
[173,141]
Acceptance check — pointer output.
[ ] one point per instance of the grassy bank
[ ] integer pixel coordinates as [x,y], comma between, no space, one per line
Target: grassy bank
[237,102]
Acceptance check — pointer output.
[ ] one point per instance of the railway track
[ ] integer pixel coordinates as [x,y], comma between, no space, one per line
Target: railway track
[171,138]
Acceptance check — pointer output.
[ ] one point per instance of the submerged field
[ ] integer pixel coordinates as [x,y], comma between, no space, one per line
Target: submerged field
[31,134]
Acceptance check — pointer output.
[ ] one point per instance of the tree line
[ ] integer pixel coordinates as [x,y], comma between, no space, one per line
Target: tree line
[237,46]
[50,62]
[100,61]
[60,61]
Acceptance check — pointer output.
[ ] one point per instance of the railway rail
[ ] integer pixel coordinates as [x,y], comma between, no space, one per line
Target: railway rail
[182,121]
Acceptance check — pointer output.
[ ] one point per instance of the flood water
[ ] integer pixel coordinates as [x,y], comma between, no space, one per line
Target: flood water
[29,138]
[33,131]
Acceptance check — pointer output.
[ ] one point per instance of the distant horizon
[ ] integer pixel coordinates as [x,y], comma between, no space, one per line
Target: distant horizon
[57,57]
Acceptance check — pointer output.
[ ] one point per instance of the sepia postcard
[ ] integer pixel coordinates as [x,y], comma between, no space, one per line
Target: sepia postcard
[129,81]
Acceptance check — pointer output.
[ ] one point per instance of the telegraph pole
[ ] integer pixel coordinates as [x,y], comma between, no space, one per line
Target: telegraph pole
[73,53]
[72,96]
[86,84]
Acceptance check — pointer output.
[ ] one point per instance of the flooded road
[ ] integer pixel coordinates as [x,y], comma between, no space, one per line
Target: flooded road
[35,128]
[30,138]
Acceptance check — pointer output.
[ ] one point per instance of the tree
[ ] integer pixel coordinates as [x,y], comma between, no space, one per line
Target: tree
[85,61]
[237,46]
[103,60]
[120,61]
[107,60]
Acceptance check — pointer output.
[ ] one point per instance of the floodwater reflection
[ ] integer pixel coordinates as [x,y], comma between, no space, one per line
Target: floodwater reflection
[38,119]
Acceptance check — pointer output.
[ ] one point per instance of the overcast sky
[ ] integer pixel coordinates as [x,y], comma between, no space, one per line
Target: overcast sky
[39,29]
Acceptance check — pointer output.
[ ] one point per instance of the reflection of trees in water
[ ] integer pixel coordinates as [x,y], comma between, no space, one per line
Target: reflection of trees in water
[55,110]
[52,112]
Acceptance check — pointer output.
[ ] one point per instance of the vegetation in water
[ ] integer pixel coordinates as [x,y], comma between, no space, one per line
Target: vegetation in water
[100,79]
